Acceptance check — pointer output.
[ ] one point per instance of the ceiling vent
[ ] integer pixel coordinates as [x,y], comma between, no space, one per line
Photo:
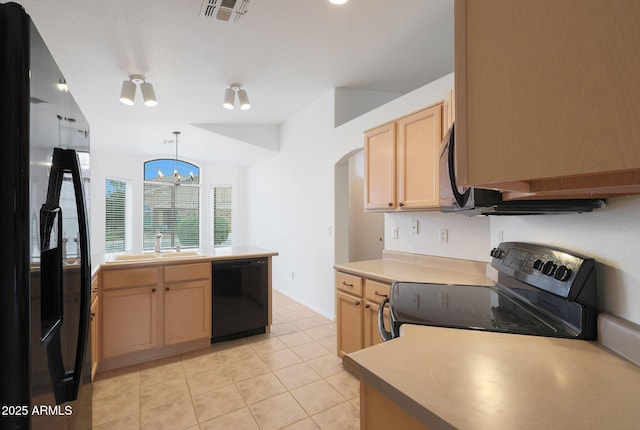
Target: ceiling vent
[224,10]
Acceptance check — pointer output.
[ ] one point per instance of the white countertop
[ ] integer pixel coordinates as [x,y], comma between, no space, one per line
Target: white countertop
[473,380]
[423,268]
[203,254]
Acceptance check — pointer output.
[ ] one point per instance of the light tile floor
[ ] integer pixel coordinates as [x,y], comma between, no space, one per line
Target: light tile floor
[289,379]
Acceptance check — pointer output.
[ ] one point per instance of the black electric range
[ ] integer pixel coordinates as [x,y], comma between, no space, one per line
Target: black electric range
[541,291]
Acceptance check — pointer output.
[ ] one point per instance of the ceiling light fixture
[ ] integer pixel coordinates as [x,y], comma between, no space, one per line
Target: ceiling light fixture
[62,84]
[229,97]
[128,91]
[338,1]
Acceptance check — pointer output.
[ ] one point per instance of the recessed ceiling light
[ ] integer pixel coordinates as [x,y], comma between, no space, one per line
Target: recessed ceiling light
[338,1]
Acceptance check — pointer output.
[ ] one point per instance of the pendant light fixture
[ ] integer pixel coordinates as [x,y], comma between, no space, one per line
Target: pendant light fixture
[176,175]
[229,97]
[128,91]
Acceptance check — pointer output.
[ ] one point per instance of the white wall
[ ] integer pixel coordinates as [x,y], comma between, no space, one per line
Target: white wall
[292,195]
[366,229]
[468,237]
[129,168]
[610,235]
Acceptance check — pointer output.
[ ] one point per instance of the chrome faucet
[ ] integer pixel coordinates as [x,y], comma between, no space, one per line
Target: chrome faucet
[158,242]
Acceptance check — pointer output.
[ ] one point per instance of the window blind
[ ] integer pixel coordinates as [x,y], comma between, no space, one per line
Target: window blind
[221,216]
[174,212]
[115,215]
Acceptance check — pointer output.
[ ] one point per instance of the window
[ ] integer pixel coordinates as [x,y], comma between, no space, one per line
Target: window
[221,214]
[116,218]
[171,204]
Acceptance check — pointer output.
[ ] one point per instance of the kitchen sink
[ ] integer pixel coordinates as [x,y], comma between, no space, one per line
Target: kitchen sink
[149,256]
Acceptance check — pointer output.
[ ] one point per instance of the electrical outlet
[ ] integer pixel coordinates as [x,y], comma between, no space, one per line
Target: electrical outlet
[444,235]
[394,232]
[414,226]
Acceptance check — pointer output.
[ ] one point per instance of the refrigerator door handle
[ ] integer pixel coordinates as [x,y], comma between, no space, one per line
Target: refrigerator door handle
[66,383]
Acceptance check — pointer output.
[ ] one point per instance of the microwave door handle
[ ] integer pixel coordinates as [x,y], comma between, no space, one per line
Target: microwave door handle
[461,198]
[384,334]
[67,382]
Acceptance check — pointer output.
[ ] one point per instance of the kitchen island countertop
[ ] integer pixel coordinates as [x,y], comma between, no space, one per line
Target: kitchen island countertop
[203,254]
[474,380]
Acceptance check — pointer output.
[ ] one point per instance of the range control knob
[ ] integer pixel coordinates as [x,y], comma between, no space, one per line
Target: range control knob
[562,273]
[549,268]
[497,253]
[537,264]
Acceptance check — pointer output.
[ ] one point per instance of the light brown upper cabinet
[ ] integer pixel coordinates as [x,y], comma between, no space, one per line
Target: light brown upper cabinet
[401,162]
[546,96]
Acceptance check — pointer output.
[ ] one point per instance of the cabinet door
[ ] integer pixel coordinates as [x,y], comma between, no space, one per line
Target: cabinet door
[95,336]
[130,320]
[371,331]
[187,311]
[380,168]
[379,412]
[418,146]
[547,90]
[349,322]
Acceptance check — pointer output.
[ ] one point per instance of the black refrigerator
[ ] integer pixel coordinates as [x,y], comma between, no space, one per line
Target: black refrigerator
[45,269]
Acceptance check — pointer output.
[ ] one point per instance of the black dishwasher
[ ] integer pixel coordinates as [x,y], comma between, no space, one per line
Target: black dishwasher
[240,299]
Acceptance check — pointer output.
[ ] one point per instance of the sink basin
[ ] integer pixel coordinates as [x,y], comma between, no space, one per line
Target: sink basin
[149,256]
[174,254]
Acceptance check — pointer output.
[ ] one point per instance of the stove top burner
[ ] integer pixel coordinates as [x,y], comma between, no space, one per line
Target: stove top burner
[467,306]
[529,297]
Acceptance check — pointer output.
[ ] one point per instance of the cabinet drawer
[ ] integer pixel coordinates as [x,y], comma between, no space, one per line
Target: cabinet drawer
[129,278]
[95,286]
[349,283]
[187,272]
[375,291]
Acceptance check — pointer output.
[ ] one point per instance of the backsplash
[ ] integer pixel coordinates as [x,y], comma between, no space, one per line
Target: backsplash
[467,237]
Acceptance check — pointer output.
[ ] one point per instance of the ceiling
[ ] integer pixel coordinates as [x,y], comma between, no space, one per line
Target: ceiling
[285,53]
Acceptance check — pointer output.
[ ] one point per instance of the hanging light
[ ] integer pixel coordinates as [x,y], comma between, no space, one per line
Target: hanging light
[148,94]
[176,175]
[62,85]
[244,100]
[128,91]
[229,97]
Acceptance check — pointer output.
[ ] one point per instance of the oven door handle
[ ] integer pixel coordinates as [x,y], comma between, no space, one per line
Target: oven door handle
[384,334]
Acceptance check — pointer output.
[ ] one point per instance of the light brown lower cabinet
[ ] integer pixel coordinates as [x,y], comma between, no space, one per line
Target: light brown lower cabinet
[357,304]
[150,312]
[379,412]
[349,316]
[94,324]
[185,318]
[94,332]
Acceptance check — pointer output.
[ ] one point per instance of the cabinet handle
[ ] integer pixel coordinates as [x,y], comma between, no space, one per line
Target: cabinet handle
[166,288]
[400,204]
[347,285]
[367,306]
[381,295]
[390,204]
[93,315]
[153,290]
[95,290]
[357,303]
